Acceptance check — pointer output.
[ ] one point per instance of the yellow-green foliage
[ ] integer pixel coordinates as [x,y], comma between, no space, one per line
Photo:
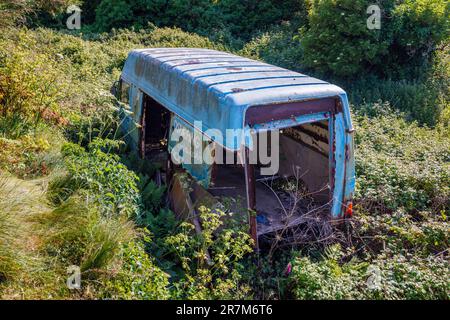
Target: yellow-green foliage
[211,259]
[32,86]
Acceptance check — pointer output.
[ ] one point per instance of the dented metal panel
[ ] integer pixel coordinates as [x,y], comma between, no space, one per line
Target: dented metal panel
[201,171]
[225,91]
[194,84]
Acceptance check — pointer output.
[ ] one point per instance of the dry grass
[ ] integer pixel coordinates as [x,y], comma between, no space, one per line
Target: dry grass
[25,272]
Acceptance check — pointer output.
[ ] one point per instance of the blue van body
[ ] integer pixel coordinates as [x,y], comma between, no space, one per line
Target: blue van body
[224,91]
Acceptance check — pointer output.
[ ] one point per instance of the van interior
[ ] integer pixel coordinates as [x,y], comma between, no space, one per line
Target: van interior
[301,186]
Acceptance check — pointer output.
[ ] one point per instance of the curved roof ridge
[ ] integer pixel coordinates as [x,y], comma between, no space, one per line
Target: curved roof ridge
[217,87]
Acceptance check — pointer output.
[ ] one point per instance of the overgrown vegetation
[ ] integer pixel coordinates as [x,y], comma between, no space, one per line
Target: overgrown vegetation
[84,200]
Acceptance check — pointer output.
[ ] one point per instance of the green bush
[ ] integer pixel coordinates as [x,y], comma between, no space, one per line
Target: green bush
[279,46]
[400,165]
[138,277]
[99,171]
[211,260]
[418,28]
[393,277]
[113,13]
[236,17]
[339,42]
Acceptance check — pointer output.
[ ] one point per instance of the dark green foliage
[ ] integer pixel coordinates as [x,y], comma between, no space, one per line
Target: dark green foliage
[419,100]
[418,28]
[280,46]
[117,13]
[239,18]
[339,42]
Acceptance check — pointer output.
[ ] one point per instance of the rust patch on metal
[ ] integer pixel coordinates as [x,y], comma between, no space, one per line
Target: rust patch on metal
[251,197]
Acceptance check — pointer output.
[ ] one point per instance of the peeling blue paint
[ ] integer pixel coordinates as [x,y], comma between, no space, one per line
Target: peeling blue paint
[218,88]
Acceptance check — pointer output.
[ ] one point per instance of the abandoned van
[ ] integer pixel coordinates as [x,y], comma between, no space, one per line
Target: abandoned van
[253,138]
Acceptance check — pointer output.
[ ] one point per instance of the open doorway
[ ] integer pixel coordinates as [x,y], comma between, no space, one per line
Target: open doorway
[155,130]
[155,122]
[301,186]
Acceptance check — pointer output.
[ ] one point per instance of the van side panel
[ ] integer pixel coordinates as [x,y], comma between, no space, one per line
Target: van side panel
[350,175]
[340,142]
[131,113]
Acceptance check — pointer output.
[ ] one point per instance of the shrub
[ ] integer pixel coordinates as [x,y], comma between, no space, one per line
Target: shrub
[279,46]
[100,172]
[160,37]
[117,13]
[339,42]
[210,260]
[393,277]
[400,165]
[31,89]
[419,27]
[138,277]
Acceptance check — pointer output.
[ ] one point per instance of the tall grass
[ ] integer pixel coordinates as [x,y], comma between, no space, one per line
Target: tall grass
[77,234]
[9,257]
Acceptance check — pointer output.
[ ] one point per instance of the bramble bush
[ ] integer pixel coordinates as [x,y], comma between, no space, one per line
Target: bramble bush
[400,165]
[337,39]
[386,277]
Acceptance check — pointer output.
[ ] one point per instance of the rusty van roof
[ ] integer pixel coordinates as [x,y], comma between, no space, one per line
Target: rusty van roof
[217,87]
